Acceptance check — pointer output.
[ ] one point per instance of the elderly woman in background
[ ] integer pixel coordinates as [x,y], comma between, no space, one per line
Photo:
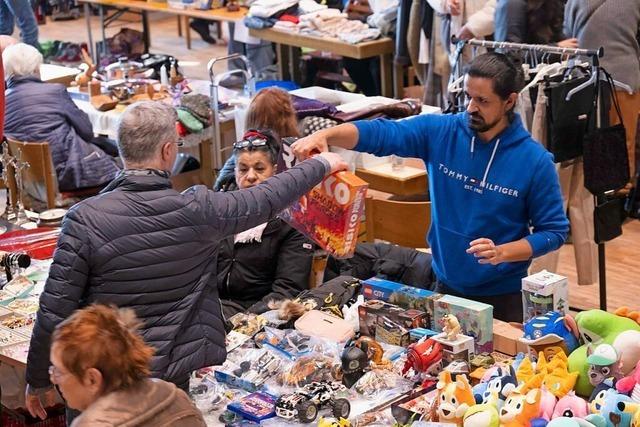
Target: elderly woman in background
[271,261]
[271,108]
[44,112]
[100,365]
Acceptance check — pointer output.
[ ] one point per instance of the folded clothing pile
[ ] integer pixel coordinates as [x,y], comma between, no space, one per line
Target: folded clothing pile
[194,112]
[331,23]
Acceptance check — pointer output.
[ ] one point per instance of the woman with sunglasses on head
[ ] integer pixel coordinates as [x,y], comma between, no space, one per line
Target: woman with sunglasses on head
[271,108]
[100,365]
[269,262]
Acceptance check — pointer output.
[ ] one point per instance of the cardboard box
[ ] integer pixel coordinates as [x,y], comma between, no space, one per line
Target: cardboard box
[389,323]
[460,349]
[331,213]
[506,338]
[476,319]
[416,334]
[403,295]
[544,292]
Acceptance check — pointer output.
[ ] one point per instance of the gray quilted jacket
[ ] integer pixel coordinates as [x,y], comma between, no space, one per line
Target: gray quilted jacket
[143,245]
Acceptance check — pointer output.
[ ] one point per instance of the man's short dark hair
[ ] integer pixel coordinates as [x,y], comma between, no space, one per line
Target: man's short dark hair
[506,75]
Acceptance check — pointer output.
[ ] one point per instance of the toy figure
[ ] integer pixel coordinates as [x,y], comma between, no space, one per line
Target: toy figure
[571,406]
[483,415]
[450,326]
[547,404]
[552,329]
[594,420]
[610,410]
[631,385]
[503,384]
[454,398]
[423,356]
[596,400]
[305,403]
[519,409]
[596,327]
[631,408]
[604,363]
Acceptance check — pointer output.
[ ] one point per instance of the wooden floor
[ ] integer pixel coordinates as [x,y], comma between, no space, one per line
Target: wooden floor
[622,254]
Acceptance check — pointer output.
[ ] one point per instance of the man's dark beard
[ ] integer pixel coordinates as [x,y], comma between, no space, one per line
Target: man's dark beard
[480,125]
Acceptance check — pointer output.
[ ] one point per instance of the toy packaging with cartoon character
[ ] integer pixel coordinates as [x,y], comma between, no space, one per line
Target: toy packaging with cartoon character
[330,214]
[544,292]
[476,319]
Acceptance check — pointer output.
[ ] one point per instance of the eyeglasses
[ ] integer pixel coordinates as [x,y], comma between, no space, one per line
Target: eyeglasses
[247,143]
[180,142]
[56,374]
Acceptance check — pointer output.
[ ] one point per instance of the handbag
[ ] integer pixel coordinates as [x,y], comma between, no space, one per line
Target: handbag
[606,162]
[569,121]
[607,220]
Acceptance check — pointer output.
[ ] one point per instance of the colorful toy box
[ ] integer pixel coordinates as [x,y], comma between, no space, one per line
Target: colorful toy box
[255,407]
[403,295]
[389,323]
[331,213]
[476,319]
[416,334]
[544,292]
[461,348]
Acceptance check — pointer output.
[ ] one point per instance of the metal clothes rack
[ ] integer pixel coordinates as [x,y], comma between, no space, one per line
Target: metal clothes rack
[593,55]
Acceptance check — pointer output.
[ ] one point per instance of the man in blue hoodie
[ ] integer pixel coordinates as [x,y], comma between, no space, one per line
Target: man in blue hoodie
[495,195]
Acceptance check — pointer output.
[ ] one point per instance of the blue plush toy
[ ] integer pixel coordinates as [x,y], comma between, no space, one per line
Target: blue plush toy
[503,384]
[613,416]
[589,421]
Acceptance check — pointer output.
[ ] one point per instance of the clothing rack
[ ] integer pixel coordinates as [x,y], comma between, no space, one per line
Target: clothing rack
[593,55]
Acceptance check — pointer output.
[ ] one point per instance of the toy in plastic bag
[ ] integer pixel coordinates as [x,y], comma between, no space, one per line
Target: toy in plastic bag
[247,323]
[308,369]
[290,343]
[251,371]
[374,382]
[330,214]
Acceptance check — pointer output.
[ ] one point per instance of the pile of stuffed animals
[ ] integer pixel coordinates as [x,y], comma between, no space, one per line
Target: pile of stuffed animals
[596,384]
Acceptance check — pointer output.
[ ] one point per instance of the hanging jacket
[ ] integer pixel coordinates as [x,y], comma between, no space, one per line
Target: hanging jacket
[44,112]
[495,189]
[277,267]
[143,245]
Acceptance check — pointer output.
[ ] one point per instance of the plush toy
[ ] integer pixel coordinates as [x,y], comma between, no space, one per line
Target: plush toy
[633,409]
[547,403]
[596,400]
[631,385]
[604,362]
[596,327]
[454,397]
[503,384]
[551,332]
[613,415]
[589,421]
[484,415]
[571,406]
[558,379]
[519,409]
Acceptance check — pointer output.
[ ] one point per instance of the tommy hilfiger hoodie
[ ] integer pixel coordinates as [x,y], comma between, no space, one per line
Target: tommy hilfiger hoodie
[505,189]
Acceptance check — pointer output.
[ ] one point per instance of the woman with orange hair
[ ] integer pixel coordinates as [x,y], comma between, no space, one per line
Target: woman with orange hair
[271,109]
[100,365]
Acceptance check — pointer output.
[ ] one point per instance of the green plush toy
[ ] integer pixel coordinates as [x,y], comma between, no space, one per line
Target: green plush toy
[484,415]
[596,327]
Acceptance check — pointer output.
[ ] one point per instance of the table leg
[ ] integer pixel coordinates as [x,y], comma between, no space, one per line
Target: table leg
[282,52]
[145,31]
[294,63]
[104,51]
[206,163]
[398,81]
[87,16]
[219,27]
[187,31]
[386,75]
[179,25]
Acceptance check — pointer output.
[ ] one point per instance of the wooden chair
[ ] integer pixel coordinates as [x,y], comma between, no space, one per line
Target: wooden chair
[401,223]
[40,180]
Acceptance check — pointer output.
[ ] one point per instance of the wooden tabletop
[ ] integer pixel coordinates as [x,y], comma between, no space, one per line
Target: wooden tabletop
[358,51]
[220,14]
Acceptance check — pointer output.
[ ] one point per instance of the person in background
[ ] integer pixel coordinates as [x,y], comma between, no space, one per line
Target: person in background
[201,26]
[272,109]
[143,245]
[495,195]
[44,112]
[100,364]
[531,22]
[613,25]
[270,262]
[20,11]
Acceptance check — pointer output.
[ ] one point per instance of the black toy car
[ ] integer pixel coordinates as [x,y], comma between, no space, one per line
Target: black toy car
[306,402]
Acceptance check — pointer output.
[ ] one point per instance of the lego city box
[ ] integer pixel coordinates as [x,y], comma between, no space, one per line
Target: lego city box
[476,319]
[405,296]
[388,322]
[544,292]
[331,213]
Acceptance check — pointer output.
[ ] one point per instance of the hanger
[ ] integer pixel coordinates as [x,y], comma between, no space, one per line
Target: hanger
[592,80]
[542,72]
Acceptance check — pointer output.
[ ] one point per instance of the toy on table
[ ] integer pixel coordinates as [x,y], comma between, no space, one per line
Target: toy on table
[597,327]
[543,292]
[551,330]
[454,398]
[553,374]
[547,404]
[354,362]
[484,360]
[450,326]
[594,420]
[633,409]
[604,363]
[423,357]
[247,323]
[596,400]
[610,409]
[483,415]
[308,369]
[519,408]
[323,422]
[631,385]
[502,384]
[254,407]
[571,406]
[305,403]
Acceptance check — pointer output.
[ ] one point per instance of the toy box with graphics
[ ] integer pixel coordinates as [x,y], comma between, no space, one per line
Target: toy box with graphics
[389,323]
[405,296]
[544,292]
[330,214]
[476,319]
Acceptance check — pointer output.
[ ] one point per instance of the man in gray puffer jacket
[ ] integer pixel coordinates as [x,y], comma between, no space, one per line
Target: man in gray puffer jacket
[142,245]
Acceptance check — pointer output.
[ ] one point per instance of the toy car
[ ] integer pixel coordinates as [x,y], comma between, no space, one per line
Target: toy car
[484,360]
[306,402]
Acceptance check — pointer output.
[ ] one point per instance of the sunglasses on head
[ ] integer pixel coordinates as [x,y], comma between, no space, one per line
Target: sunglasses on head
[249,143]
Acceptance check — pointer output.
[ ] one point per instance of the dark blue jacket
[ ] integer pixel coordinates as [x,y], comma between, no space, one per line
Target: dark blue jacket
[44,112]
[142,245]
